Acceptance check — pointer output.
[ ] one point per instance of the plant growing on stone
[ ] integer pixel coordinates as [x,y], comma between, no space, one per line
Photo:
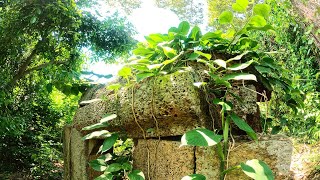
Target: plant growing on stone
[182,49]
[167,53]
[116,164]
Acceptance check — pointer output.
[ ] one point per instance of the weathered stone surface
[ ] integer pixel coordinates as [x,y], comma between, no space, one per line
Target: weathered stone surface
[274,150]
[75,155]
[247,108]
[171,101]
[167,160]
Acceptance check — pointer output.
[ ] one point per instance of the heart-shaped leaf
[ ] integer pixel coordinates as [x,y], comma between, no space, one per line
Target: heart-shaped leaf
[136,175]
[183,28]
[97,135]
[200,137]
[240,5]
[262,10]
[225,17]
[257,169]
[243,126]
[109,142]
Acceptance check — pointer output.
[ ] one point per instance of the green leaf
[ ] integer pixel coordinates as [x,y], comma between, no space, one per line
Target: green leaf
[95,126]
[257,169]
[140,67]
[262,10]
[127,166]
[236,67]
[263,69]
[109,142]
[240,5]
[264,28]
[141,51]
[166,62]
[211,35]
[154,66]
[114,167]
[97,135]
[200,137]
[257,21]
[208,56]
[173,30]
[193,56]
[276,129]
[169,52]
[125,72]
[157,38]
[238,57]
[222,82]
[195,33]
[243,126]
[225,17]
[98,165]
[106,157]
[269,62]
[113,87]
[183,28]
[142,76]
[194,177]
[104,177]
[220,62]
[33,19]
[49,87]
[226,106]
[108,118]
[239,76]
[136,175]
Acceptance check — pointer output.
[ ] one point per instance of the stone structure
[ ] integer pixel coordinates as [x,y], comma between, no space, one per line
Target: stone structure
[168,106]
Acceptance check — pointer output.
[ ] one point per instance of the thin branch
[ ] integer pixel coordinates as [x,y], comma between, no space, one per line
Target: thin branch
[107,76]
[41,66]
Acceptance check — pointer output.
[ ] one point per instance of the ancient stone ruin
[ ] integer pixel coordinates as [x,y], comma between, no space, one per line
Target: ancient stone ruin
[170,105]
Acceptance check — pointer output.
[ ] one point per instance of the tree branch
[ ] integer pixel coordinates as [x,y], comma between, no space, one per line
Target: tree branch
[107,76]
[41,66]
[21,70]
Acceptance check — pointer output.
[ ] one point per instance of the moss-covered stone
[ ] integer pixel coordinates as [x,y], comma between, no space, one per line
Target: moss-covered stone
[171,101]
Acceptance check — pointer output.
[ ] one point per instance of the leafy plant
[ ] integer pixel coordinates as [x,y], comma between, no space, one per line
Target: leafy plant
[243,63]
[117,164]
[167,53]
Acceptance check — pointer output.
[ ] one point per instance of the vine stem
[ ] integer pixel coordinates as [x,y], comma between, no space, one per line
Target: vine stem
[225,144]
[143,131]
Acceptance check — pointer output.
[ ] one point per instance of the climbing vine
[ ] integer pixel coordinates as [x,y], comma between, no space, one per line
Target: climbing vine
[227,58]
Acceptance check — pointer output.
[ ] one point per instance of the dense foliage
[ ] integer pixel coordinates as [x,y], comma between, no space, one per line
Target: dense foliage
[184,48]
[41,61]
[297,52]
[41,56]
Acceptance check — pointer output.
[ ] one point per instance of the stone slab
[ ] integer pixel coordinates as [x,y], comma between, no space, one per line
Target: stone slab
[167,160]
[171,101]
[75,155]
[275,150]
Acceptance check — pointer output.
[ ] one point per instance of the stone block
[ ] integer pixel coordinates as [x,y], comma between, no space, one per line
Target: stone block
[167,160]
[275,150]
[75,155]
[171,101]
[246,108]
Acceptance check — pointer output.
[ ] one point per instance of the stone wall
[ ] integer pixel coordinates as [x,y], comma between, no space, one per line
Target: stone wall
[168,106]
